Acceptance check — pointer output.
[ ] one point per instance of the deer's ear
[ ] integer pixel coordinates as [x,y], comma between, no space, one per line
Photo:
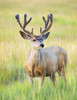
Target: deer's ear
[25,36]
[44,36]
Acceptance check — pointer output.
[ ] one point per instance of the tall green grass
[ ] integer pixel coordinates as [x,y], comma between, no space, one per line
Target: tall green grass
[14,84]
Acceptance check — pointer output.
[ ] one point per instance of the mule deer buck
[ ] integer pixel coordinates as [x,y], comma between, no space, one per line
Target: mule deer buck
[43,62]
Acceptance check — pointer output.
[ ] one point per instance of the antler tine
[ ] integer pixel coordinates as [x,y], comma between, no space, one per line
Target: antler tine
[40,30]
[46,22]
[25,17]
[18,19]
[51,18]
[25,20]
[25,23]
[46,28]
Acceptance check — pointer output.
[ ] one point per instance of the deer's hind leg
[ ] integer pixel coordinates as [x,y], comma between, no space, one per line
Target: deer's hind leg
[63,73]
[61,67]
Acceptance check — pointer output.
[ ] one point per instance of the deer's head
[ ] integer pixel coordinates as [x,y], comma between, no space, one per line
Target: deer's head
[36,41]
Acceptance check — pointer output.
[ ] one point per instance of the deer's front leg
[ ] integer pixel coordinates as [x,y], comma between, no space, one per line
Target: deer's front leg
[53,78]
[41,82]
[31,79]
[42,79]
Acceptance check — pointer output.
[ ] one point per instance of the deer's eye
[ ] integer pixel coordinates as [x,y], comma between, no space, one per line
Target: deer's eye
[34,40]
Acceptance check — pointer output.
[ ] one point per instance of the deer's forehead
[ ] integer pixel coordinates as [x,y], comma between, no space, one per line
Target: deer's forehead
[38,37]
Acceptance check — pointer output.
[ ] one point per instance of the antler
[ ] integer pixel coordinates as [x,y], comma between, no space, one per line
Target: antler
[25,23]
[46,28]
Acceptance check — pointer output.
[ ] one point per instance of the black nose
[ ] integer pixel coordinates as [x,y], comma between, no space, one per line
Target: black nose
[42,45]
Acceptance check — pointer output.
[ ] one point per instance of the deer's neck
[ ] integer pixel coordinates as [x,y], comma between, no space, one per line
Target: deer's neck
[34,57]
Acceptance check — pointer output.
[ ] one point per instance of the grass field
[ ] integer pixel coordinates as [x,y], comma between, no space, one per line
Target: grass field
[14,84]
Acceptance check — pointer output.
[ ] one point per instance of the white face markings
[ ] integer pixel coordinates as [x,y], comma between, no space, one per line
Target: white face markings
[37,42]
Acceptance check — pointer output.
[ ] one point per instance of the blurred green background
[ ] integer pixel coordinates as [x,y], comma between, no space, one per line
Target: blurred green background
[14,84]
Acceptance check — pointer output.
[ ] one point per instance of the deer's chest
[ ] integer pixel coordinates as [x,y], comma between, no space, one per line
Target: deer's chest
[34,58]
[34,71]
[33,65]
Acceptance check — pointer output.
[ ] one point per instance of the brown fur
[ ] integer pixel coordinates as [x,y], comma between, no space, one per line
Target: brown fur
[62,59]
[43,62]
[40,68]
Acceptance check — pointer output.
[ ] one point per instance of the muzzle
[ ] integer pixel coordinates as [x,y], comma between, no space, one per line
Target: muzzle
[42,45]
